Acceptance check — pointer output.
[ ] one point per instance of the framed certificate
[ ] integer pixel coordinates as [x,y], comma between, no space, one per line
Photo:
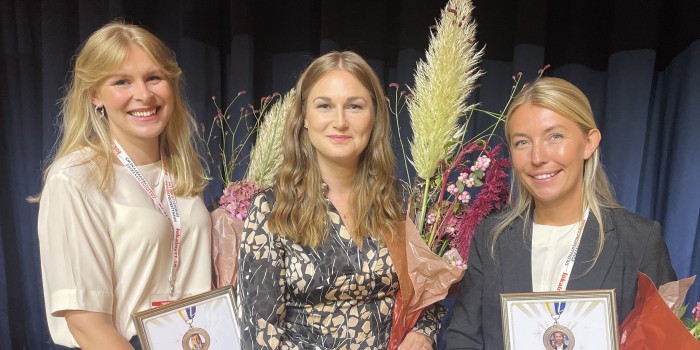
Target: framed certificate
[560,320]
[205,321]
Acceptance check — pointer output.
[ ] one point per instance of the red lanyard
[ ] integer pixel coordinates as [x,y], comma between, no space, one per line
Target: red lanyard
[174,216]
[568,265]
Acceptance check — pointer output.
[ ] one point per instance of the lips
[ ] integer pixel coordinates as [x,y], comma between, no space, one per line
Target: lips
[144,113]
[545,176]
[339,138]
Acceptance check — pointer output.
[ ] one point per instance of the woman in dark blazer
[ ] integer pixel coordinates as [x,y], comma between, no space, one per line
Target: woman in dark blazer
[561,201]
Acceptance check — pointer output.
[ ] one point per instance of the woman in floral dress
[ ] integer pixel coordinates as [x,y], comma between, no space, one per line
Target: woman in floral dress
[316,270]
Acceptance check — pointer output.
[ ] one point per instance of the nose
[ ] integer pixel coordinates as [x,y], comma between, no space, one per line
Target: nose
[142,91]
[341,122]
[539,154]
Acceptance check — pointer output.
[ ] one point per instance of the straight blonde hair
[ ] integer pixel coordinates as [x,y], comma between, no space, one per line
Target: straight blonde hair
[84,128]
[567,100]
[301,206]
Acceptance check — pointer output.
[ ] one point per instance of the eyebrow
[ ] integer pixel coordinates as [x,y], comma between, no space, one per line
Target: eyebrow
[117,74]
[547,130]
[351,98]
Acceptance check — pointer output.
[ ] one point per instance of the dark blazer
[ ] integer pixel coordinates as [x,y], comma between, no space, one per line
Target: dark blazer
[632,243]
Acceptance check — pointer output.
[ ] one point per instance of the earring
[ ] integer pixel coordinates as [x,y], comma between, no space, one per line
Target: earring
[100,110]
[306,126]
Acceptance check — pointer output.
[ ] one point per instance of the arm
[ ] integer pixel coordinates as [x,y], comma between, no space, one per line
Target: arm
[261,282]
[656,262]
[427,327]
[465,329]
[76,258]
[94,330]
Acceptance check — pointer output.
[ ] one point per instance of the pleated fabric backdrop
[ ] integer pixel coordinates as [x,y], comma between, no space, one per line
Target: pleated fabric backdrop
[637,61]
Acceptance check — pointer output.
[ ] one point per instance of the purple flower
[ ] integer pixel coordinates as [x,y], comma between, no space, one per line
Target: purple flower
[492,196]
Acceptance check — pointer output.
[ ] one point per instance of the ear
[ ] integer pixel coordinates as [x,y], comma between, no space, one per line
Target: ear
[592,142]
[95,99]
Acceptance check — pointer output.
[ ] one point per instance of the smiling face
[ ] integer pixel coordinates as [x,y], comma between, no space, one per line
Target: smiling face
[338,118]
[558,338]
[137,98]
[548,153]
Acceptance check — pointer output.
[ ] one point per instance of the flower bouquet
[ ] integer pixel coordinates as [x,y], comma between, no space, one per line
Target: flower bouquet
[264,162]
[654,321]
[693,324]
[450,167]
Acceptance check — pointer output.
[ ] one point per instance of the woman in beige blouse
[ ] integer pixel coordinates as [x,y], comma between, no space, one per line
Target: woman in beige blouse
[122,226]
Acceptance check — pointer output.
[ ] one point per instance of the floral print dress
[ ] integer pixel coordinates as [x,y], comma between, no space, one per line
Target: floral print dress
[334,296]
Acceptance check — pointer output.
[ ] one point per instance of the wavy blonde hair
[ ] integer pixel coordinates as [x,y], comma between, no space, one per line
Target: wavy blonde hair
[568,101]
[83,127]
[300,209]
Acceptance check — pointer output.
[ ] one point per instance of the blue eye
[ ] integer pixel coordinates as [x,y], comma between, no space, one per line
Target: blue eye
[323,106]
[520,144]
[120,82]
[556,137]
[154,78]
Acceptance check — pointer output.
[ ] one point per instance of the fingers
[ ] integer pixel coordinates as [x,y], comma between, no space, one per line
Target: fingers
[416,341]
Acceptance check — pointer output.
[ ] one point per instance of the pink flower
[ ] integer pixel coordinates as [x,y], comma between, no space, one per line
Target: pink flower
[463,177]
[482,163]
[431,218]
[452,189]
[696,312]
[464,197]
[236,198]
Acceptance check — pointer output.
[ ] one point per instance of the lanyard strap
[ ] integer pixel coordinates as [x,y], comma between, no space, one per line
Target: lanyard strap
[191,311]
[556,309]
[568,265]
[173,218]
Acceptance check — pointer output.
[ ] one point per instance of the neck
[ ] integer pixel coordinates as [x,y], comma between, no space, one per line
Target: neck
[558,215]
[340,182]
[338,178]
[142,152]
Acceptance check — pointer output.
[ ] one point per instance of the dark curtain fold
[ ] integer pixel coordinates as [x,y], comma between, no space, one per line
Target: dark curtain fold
[638,62]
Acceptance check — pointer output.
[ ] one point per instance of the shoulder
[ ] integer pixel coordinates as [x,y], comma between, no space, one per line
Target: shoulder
[626,220]
[75,167]
[494,219]
[263,200]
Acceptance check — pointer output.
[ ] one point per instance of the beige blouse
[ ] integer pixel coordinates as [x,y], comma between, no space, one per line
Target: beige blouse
[112,253]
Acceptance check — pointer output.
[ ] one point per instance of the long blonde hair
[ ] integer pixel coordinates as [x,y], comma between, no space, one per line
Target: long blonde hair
[83,127]
[300,209]
[567,100]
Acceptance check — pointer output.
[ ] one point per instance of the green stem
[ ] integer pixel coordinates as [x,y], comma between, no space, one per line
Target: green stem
[445,244]
[396,111]
[424,206]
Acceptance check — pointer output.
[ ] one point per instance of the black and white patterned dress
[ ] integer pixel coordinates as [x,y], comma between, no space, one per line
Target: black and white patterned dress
[334,296]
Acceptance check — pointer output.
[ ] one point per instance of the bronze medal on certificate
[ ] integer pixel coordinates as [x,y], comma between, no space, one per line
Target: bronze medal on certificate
[558,337]
[195,338]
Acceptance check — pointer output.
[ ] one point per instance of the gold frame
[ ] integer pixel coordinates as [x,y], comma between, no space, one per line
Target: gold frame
[592,315]
[221,302]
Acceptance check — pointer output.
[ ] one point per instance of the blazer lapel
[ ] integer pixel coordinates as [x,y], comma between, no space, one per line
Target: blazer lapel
[514,250]
[581,276]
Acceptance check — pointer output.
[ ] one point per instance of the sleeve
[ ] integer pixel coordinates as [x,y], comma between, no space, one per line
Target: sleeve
[429,321]
[76,250]
[466,330]
[656,262]
[261,282]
